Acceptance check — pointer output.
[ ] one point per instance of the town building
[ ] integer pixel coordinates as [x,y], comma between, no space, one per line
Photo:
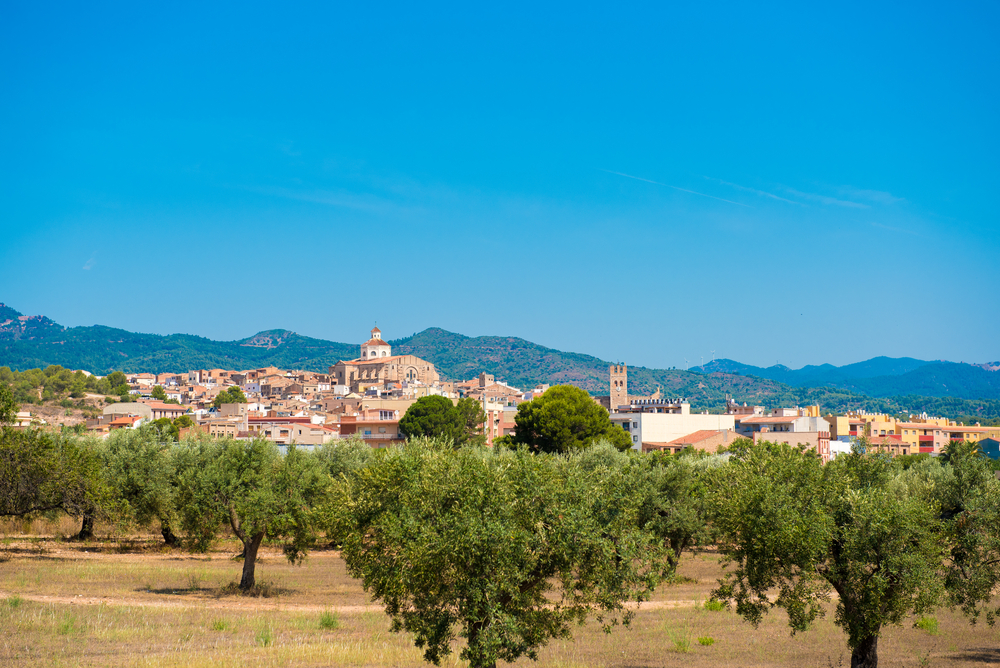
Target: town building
[654,423]
[377,366]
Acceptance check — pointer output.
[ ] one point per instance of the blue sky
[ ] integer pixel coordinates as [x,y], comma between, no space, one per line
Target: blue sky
[795,183]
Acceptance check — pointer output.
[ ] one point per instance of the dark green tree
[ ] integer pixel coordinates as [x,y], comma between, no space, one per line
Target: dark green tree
[8,406]
[158,393]
[506,549]
[116,378]
[472,417]
[434,417]
[232,395]
[565,418]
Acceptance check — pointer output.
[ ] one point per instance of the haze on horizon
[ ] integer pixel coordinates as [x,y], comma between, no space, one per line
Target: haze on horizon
[790,184]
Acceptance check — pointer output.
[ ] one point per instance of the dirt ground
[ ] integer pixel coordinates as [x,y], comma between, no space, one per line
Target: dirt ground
[137,603]
[56,416]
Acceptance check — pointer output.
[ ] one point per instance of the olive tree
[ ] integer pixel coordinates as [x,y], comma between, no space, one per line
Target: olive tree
[45,472]
[139,467]
[791,526]
[676,507]
[970,512]
[251,488]
[503,548]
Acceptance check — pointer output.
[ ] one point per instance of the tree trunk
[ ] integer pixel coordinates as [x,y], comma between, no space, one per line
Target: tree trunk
[169,538]
[87,528]
[249,561]
[865,655]
[476,660]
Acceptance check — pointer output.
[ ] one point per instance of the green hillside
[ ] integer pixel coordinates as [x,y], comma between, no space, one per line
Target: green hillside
[39,342]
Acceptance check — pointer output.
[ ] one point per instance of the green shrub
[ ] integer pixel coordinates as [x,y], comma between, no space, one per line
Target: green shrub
[14,601]
[329,621]
[220,625]
[707,641]
[929,624]
[715,606]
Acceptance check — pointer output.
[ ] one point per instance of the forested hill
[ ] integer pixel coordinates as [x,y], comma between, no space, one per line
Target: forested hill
[880,377]
[37,342]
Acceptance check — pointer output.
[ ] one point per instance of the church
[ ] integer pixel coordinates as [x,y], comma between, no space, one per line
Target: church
[377,366]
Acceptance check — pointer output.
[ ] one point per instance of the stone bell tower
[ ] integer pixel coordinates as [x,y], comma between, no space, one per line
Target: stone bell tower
[619,386]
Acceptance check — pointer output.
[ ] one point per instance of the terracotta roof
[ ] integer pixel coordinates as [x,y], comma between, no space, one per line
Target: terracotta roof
[375,342]
[888,437]
[770,420]
[376,329]
[695,437]
[129,419]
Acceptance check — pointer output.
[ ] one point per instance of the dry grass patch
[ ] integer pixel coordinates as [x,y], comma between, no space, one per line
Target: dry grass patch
[64,606]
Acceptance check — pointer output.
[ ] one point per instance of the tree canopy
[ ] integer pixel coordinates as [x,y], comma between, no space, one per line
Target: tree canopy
[232,395]
[563,419]
[437,417]
[503,548]
[251,488]
[790,524]
[8,406]
[42,472]
[139,468]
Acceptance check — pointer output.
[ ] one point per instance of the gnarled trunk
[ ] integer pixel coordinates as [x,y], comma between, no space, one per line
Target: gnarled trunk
[249,561]
[87,528]
[865,655]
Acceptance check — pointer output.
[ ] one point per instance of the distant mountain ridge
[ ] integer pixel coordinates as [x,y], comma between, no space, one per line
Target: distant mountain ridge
[881,377]
[37,342]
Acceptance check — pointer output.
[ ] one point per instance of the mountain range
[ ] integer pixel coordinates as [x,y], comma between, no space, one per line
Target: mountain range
[881,384]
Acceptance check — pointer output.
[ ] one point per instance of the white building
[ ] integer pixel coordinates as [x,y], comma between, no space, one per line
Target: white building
[661,421]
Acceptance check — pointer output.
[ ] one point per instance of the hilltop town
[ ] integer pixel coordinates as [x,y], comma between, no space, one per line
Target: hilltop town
[367,396]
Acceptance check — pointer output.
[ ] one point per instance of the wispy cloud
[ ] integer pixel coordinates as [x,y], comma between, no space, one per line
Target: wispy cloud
[877,196]
[89,264]
[684,190]
[823,199]
[897,229]
[762,193]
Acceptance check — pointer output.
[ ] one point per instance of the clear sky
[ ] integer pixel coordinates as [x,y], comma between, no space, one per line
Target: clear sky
[801,183]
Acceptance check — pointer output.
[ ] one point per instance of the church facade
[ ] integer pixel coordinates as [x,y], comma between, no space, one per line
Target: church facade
[377,366]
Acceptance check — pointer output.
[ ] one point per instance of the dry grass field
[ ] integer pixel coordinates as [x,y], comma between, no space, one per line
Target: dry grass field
[135,603]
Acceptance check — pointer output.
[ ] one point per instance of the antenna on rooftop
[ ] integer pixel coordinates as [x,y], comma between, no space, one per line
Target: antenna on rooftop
[685,364]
